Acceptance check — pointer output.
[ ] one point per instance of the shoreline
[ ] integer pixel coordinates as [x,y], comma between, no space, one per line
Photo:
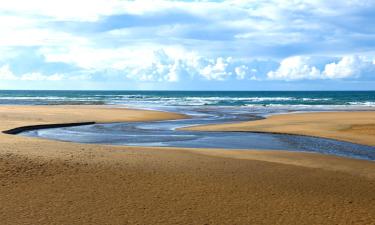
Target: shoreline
[229,153]
[45,181]
[331,125]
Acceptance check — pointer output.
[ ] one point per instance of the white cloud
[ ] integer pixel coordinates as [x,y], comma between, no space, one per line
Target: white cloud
[295,68]
[244,72]
[267,22]
[28,30]
[301,67]
[160,67]
[348,66]
[39,76]
[216,69]
[62,10]
[169,66]
[241,72]
[37,37]
[150,64]
[7,74]
[172,65]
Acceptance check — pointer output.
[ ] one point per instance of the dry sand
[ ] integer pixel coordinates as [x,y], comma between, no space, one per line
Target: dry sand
[50,182]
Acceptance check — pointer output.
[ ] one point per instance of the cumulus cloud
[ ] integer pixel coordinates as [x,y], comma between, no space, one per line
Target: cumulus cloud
[348,66]
[295,68]
[301,67]
[160,68]
[215,69]
[244,72]
[241,72]
[168,66]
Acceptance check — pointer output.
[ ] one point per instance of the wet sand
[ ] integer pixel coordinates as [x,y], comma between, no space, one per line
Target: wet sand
[356,127]
[50,182]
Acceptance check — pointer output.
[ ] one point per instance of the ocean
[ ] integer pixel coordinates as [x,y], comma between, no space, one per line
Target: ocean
[291,99]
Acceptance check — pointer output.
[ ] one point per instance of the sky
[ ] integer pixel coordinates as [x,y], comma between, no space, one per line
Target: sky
[187,45]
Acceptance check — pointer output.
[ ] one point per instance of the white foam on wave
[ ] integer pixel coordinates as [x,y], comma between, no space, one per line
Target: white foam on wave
[32,98]
[371,104]
[144,100]
[54,98]
[316,99]
[201,101]
[304,107]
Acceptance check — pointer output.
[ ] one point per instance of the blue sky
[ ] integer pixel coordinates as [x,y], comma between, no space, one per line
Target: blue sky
[187,45]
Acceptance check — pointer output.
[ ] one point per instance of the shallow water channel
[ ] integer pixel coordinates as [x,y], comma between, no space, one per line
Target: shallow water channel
[165,133]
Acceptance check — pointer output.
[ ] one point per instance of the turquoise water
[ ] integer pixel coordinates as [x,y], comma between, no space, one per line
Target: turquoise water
[192,98]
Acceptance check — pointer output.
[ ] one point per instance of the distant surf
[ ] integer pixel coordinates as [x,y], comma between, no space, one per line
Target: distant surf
[299,100]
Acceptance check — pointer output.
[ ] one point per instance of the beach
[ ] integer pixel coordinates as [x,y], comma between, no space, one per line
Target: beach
[182,112]
[52,182]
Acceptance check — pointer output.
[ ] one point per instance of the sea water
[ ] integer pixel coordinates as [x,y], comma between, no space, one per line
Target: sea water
[292,99]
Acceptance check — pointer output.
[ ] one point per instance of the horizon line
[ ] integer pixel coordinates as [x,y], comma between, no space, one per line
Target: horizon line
[148,90]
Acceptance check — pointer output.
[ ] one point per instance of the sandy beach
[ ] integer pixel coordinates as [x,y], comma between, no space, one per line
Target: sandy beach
[51,182]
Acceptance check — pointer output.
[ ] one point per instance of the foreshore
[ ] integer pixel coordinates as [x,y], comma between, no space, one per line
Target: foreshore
[51,182]
[356,127]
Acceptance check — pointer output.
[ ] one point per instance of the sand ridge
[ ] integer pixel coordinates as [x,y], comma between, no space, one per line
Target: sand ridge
[51,182]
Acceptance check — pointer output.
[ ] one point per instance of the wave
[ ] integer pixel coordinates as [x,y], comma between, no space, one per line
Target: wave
[200,101]
[372,104]
[147,100]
